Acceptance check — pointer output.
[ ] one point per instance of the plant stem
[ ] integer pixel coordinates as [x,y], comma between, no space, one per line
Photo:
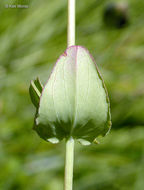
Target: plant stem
[69,160]
[69,156]
[71,23]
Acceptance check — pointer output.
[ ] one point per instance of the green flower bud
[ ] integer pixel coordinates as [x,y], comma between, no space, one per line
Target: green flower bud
[74,102]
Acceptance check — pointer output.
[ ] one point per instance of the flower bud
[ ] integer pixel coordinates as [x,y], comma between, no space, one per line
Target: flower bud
[74,101]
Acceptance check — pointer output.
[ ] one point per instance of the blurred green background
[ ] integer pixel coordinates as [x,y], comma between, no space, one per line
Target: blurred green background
[31,40]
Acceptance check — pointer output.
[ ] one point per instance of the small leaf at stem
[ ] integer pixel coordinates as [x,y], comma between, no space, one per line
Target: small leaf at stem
[53,140]
[35,90]
[84,142]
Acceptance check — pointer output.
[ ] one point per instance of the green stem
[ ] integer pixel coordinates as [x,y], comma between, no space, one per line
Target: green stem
[69,157]
[71,23]
[69,160]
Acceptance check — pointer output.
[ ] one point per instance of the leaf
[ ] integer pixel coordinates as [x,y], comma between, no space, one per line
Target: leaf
[35,90]
[74,101]
[84,142]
